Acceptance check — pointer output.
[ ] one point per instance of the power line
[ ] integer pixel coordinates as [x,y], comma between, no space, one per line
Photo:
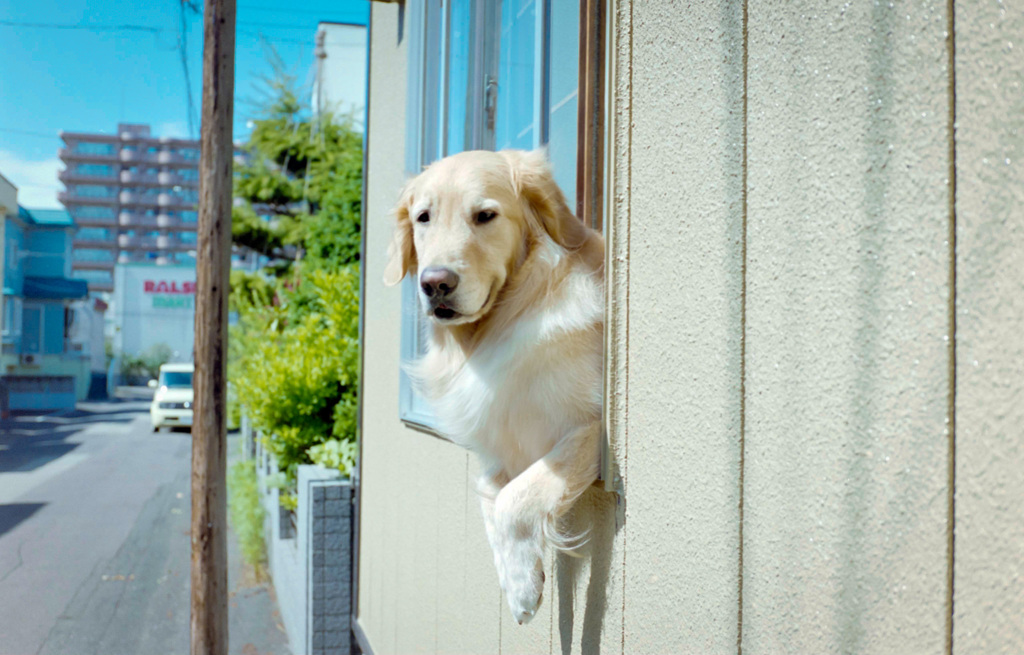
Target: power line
[91,27]
[312,12]
[28,132]
[278,26]
[183,49]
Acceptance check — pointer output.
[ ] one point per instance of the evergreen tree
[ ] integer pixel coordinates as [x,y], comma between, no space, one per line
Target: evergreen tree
[300,184]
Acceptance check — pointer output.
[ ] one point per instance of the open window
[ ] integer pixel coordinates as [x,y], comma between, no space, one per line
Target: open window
[486,75]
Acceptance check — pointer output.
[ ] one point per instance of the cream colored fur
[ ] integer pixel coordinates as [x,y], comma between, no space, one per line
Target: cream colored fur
[515,375]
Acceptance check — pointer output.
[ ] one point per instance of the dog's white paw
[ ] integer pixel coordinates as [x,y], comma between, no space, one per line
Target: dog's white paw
[520,562]
[525,591]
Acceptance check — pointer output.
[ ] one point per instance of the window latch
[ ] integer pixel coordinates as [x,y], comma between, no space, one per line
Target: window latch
[490,99]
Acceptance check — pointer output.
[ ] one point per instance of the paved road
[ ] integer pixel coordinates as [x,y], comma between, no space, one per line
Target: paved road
[94,540]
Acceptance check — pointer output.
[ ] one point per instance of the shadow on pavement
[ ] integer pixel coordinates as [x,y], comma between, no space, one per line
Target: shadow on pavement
[30,440]
[13,514]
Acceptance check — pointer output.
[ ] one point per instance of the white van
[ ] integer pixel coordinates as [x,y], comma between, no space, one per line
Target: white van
[172,402]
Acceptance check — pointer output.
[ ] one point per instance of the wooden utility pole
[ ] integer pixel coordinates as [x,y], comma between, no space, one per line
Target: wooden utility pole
[213,264]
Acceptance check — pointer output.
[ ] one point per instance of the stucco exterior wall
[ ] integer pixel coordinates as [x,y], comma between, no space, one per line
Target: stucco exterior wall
[847,390]
[794,424]
[681,448]
[989,546]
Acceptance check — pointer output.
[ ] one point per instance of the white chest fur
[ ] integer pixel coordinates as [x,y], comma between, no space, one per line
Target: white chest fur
[521,391]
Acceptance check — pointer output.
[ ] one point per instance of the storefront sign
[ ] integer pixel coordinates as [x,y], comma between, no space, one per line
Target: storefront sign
[170,294]
[169,286]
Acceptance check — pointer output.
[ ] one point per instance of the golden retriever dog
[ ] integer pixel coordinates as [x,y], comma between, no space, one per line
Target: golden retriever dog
[513,284]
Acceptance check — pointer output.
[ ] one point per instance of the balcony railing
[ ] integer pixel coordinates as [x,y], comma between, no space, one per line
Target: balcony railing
[81,265]
[71,177]
[69,198]
[167,221]
[69,154]
[128,242]
[169,178]
[131,177]
[94,244]
[168,157]
[92,221]
[136,219]
[171,200]
[131,198]
[137,156]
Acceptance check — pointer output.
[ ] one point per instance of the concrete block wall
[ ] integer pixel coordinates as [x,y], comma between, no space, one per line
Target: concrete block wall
[311,566]
[330,571]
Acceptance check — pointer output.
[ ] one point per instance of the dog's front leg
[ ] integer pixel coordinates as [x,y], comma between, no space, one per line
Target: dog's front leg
[526,513]
[488,486]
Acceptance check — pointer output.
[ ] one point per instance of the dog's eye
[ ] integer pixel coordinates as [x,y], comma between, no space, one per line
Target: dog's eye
[424,217]
[485,217]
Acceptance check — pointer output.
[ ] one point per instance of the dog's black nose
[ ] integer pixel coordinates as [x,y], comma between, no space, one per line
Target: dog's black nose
[438,282]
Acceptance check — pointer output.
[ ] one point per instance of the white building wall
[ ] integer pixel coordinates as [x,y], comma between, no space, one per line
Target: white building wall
[154,304]
[339,84]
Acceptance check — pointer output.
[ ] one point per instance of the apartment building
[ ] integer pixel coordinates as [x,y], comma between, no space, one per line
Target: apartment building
[133,196]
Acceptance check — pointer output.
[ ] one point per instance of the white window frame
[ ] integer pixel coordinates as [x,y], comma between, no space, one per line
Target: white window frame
[427,101]
[12,318]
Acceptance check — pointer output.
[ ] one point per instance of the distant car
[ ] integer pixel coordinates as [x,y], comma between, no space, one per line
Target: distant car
[172,402]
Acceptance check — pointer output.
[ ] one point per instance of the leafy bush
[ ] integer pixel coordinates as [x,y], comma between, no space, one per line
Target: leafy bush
[334,454]
[298,366]
[147,364]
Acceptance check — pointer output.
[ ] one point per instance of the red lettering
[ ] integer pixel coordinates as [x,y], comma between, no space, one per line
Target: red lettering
[164,286]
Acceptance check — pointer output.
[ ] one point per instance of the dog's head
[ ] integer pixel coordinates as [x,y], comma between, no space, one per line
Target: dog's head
[467,222]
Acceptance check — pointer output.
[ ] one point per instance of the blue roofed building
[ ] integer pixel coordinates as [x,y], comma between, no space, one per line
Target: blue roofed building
[46,358]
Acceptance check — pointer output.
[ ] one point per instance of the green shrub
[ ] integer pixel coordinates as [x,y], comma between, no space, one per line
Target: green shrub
[147,364]
[334,454]
[247,514]
[298,367]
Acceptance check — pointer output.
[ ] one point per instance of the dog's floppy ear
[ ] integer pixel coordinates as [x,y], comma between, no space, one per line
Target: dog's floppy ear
[536,186]
[401,250]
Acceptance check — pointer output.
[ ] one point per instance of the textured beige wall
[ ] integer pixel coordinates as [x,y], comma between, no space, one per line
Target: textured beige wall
[847,315]
[780,276]
[678,433]
[989,555]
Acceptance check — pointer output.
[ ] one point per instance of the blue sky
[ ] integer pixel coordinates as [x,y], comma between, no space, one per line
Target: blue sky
[89,80]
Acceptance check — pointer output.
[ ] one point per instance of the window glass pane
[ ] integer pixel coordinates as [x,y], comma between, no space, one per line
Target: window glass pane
[93,255]
[514,126]
[176,379]
[31,329]
[93,276]
[563,87]
[100,170]
[92,212]
[91,191]
[459,123]
[93,234]
[87,148]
